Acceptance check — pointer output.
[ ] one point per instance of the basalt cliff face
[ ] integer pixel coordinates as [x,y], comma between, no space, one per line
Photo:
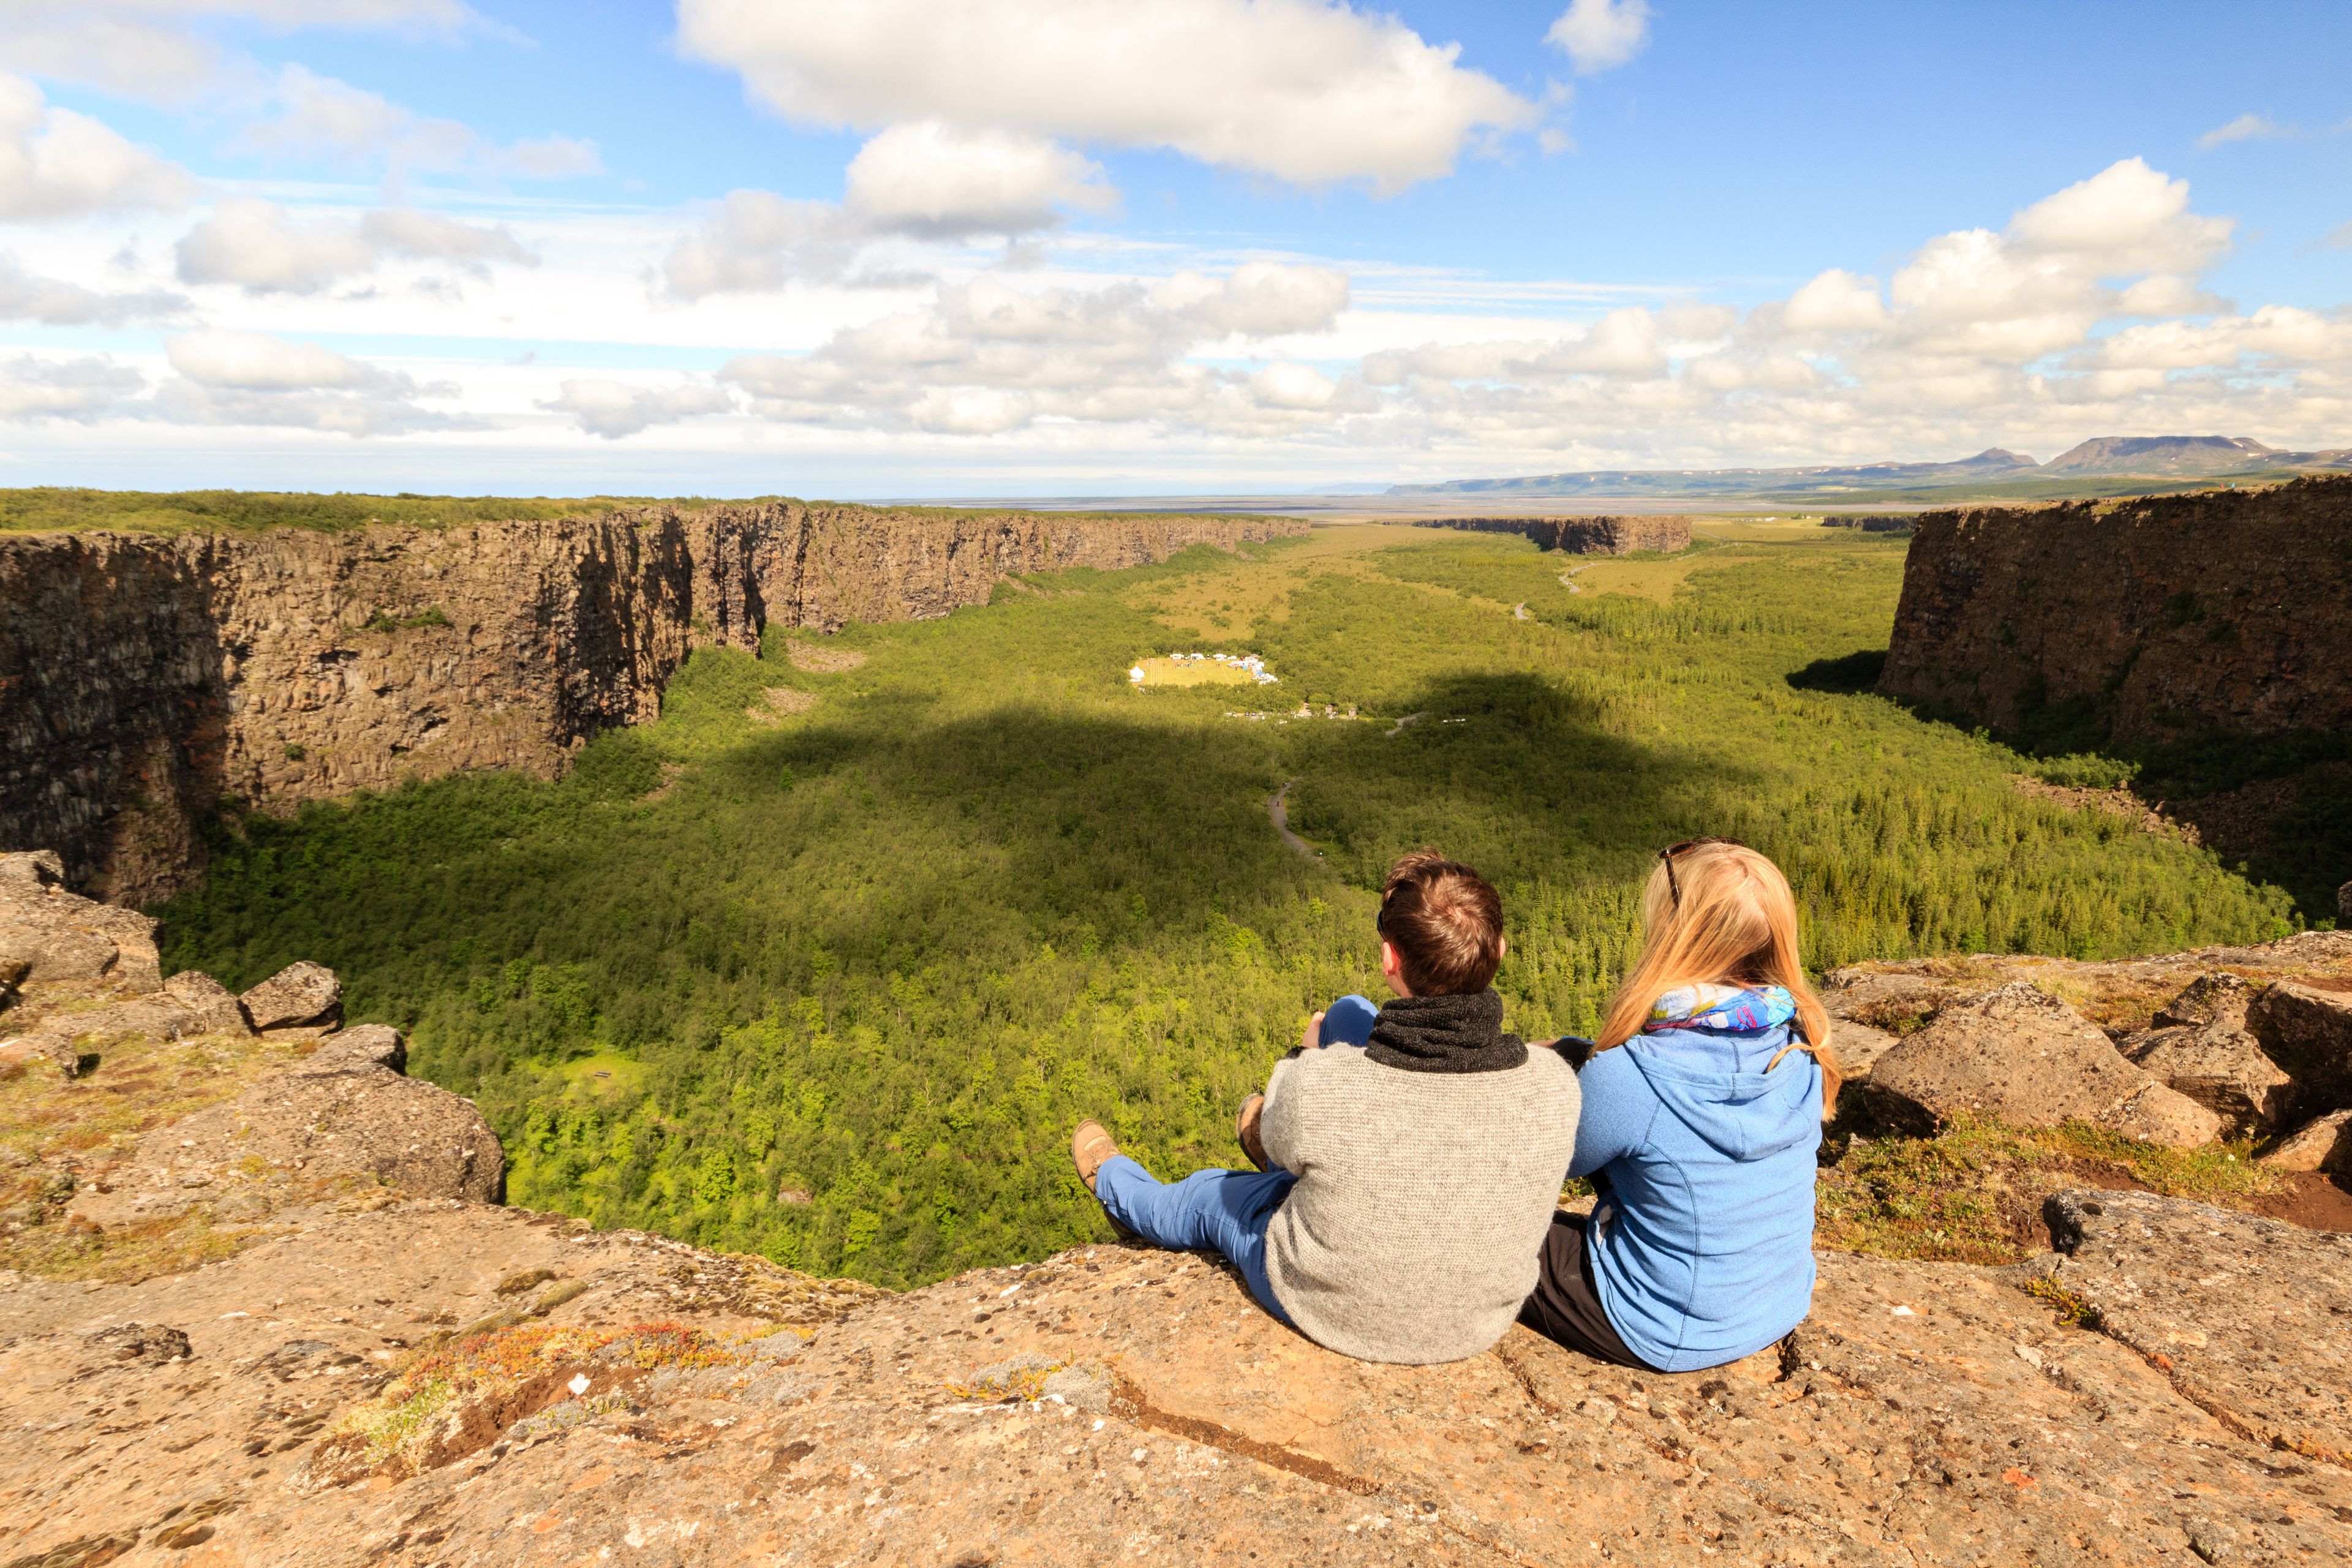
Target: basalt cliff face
[143,678]
[2152,618]
[1585,535]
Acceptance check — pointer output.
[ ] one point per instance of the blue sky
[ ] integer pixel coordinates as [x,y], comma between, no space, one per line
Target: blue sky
[1009,247]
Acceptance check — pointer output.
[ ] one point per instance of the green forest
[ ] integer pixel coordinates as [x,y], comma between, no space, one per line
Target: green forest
[834,985]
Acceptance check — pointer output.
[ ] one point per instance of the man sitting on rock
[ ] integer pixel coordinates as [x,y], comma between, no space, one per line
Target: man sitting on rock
[1411,1181]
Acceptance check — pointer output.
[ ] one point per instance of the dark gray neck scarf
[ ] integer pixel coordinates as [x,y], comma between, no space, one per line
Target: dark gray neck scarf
[1445,1034]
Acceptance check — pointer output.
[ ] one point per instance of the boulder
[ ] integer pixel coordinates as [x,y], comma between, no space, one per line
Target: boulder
[2020,1056]
[2244,1315]
[213,1008]
[2344,902]
[2324,1144]
[298,996]
[368,1045]
[2306,1028]
[318,1122]
[1857,1047]
[2221,1067]
[55,934]
[2218,998]
[31,871]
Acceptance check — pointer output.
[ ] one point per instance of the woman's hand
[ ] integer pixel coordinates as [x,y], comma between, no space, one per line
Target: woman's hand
[1312,1040]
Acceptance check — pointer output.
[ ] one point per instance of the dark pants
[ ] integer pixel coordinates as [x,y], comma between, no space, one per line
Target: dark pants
[1565,1305]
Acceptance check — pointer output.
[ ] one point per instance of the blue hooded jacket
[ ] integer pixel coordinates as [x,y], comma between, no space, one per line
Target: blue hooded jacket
[1703,1245]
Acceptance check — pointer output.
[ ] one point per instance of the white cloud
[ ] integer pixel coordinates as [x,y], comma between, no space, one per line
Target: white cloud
[53,302]
[80,389]
[921,180]
[320,117]
[230,377]
[259,246]
[1836,301]
[2085,307]
[257,361]
[157,51]
[1600,35]
[56,164]
[2339,239]
[937,182]
[2245,127]
[263,248]
[984,358]
[1304,90]
[615,408]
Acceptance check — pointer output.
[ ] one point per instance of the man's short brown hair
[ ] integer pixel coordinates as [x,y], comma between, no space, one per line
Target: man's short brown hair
[1446,922]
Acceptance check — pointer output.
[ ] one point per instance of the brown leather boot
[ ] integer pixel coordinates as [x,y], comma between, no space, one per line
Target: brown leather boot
[1090,1146]
[1246,1129]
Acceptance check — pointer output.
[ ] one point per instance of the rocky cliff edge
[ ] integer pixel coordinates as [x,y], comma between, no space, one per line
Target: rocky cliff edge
[266,1314]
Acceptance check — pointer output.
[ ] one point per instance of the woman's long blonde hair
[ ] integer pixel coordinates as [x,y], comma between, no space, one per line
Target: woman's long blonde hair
[1718,913]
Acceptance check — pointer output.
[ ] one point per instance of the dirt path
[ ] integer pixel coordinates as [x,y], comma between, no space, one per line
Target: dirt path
[1279,816]
[1568,579]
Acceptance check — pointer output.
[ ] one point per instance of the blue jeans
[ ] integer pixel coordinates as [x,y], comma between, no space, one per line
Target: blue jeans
[1223,1211]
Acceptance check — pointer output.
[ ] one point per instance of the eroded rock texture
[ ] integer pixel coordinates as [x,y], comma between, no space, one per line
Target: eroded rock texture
[2156,616]
[143,677]
[1584,535]
[1114,1404]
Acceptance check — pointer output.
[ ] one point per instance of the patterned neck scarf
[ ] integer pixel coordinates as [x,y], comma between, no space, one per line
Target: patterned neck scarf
[1732,1008]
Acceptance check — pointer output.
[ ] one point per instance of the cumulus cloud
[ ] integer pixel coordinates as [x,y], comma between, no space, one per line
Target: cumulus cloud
[1600,35]
[1308,91]
[320,117]
[157,51]
[938,181]
[920,181]
[260,246]
[984,358]
[56,164]
[615,408]
[2088,304]
[2245,127]
[81,390]
[53,302]
[228,377]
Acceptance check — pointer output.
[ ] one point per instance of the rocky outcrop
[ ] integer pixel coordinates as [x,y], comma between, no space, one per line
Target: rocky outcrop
[439,1382]
[2023,1056]
[2149,618]
[340,1113]
[2259,1038]
[1584,535]
[145,677]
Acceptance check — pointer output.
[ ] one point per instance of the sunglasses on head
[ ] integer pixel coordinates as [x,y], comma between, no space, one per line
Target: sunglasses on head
[1670,851]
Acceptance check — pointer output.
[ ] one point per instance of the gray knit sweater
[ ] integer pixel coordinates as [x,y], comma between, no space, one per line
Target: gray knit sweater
[1422,1201]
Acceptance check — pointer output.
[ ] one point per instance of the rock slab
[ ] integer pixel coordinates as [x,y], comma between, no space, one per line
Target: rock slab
[2251,1319]
[1109,1404]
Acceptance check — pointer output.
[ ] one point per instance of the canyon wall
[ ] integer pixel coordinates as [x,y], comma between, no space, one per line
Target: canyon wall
[2148,618]
[1584,535]
[145,678]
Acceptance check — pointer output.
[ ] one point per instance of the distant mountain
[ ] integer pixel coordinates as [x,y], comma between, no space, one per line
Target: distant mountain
[2177,454]
[2151,457]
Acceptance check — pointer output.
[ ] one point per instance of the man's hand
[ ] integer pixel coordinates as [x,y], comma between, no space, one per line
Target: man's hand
[1312,1040]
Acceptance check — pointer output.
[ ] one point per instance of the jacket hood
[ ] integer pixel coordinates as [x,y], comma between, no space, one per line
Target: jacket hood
[1714,1083]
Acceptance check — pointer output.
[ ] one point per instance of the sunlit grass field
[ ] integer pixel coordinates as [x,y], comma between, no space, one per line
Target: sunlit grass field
[852,973]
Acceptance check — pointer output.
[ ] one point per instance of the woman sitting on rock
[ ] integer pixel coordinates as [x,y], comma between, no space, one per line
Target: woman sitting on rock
[1409,1181]
[1702,1114]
